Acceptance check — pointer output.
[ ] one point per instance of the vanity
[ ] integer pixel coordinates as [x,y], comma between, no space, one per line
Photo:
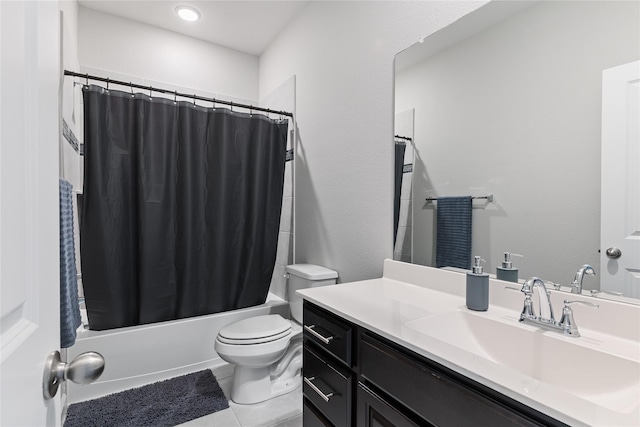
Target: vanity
[403,350]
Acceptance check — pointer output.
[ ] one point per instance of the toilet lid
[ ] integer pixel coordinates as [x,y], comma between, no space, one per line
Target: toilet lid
[258,328]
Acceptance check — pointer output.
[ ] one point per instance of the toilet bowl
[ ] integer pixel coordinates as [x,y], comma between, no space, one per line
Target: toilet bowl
[267,350]
[254,345]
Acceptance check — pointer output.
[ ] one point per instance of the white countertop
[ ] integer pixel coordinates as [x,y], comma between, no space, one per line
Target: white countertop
[408,292]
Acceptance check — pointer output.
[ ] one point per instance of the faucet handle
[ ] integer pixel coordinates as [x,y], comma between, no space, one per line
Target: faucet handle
[568,303]
[554,285]
[595,292]
[567,322]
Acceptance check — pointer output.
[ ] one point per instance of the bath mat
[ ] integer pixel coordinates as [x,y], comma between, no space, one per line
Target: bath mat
[165,403]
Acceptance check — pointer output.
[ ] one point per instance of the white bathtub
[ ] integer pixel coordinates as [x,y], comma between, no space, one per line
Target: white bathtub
[140,355]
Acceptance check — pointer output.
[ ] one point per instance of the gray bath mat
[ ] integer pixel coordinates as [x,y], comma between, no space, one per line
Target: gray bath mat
[165,403]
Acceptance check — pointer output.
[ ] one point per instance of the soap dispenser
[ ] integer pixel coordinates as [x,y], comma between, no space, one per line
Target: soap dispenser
[477,287]
[507,272]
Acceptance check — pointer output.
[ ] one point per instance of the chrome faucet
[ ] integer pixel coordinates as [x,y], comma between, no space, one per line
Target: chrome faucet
[566,325]
[546,309]
[576,285]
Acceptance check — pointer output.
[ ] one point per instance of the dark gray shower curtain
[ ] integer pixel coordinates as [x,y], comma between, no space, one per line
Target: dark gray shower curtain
[181,208]
[397,176]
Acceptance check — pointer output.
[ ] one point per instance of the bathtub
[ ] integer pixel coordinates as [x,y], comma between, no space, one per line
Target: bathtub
[139,355]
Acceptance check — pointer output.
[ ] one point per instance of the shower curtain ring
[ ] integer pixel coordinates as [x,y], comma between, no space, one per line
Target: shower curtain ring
[194,100]
[175,97]
[131,87]
[150,89]
[107,84]
[87,79]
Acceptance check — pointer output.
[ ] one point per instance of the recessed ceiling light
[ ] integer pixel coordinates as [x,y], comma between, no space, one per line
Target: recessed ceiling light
[188,13]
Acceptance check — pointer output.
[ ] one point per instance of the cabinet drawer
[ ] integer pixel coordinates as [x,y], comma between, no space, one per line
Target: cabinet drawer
[328,332]
[327,387]
[428,392]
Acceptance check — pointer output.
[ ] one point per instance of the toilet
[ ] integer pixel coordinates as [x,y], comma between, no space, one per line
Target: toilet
[267,350]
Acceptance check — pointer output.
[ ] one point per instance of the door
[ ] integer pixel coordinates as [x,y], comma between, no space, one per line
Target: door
[620,216]
[29,246]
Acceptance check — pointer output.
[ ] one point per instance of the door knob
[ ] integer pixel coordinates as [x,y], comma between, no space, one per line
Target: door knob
[84,369]
[613,253]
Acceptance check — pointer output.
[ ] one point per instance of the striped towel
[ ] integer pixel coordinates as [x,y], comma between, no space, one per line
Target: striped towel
[69,307]
[453,232]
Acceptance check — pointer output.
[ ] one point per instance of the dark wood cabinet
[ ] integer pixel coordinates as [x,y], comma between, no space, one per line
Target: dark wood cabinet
[327,386]
[329,332]
[354,377]
[374,411]
[311,417]
[328,376]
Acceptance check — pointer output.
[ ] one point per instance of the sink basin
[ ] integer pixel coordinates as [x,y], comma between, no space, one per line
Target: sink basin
[593,374]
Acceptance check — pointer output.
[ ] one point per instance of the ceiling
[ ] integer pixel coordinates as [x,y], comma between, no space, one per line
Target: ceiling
[480,19]
[246,26]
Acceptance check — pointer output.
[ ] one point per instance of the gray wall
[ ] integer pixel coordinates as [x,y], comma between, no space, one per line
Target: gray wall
[342,55]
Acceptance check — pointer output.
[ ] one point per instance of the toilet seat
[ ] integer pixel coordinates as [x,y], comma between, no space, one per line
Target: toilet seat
[255,330]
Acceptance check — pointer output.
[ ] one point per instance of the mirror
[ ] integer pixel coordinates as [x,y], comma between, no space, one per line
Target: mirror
[507,102]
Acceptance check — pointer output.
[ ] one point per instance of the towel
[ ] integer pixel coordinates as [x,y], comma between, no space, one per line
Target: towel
[453,232]
[69,307]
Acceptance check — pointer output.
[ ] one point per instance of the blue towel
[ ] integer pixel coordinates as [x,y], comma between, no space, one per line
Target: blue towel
[453,236]
[69,307]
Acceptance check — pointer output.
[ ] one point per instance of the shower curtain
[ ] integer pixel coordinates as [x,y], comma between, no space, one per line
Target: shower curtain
[181,208]
[397,173]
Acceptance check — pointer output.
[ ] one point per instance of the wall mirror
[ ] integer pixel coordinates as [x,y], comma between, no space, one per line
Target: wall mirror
[507,102]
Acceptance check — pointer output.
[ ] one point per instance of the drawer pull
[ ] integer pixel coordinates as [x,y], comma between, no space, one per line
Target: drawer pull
[325,340]
[324,397]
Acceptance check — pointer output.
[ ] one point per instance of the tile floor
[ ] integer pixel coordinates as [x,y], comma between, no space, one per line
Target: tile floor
[282,411]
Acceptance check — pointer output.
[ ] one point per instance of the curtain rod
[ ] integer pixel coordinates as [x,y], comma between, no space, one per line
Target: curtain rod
[175,93]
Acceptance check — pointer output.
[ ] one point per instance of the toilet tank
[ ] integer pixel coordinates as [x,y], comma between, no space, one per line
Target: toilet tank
[304,276]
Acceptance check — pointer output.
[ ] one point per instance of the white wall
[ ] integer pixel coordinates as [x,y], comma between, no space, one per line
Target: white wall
[342,55]
[111,43]
[516,111]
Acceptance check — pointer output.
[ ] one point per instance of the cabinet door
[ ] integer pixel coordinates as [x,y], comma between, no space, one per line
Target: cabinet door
[434,395]
[373,411]
[311,417]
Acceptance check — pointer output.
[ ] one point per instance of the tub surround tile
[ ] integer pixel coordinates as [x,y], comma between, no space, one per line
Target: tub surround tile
[283,254]
[278,285]
[286,214]
[288,180]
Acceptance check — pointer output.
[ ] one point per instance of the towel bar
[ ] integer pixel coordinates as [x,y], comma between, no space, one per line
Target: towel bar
[488,198]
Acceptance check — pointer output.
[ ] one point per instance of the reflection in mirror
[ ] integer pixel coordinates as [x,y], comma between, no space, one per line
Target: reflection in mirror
[508,102]
[403,177]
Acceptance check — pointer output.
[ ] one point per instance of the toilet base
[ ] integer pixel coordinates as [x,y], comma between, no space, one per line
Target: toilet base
[254,385]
